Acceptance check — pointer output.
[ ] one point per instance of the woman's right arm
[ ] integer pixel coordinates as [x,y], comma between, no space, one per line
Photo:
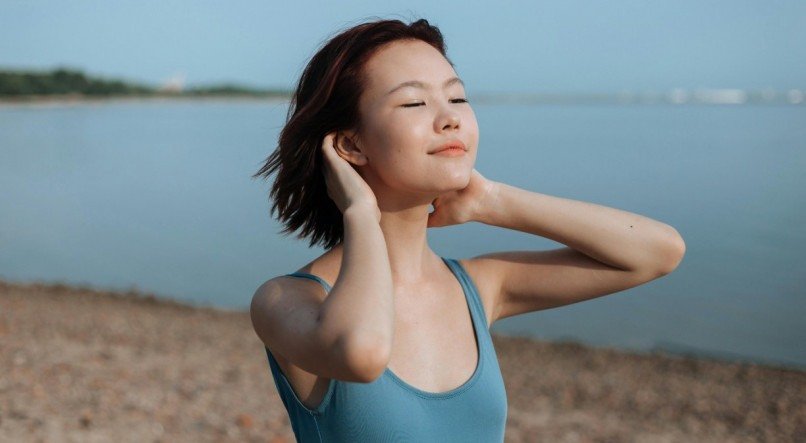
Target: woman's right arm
[347,335]
[360,306]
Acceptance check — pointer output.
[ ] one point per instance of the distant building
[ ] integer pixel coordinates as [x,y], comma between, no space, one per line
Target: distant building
[174,84]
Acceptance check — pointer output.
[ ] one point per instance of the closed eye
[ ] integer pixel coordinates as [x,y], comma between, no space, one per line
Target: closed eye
[455,100]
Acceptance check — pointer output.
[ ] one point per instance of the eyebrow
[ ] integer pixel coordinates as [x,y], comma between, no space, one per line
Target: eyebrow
[419,84]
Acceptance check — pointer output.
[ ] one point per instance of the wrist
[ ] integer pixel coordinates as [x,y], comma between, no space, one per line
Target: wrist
[489,204]
[362,211]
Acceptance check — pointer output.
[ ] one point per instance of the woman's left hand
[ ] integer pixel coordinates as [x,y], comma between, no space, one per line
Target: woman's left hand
[464,205]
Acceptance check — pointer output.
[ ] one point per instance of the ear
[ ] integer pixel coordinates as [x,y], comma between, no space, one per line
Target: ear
[348,147]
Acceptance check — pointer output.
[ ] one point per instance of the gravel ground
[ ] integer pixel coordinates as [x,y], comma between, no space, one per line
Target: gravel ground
[85,365]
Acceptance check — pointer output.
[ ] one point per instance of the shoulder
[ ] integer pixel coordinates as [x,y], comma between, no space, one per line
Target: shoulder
[282,290]
[486,278]
[286,284]
[322,267]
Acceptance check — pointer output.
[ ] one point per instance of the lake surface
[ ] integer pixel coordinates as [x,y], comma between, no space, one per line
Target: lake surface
[157,196]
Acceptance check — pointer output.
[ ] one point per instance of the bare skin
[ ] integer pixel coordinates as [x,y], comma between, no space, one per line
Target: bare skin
[387,169]
[434,345]
[390,286]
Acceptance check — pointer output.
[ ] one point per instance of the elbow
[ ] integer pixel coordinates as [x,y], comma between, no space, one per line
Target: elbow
[672,252]
[368,358]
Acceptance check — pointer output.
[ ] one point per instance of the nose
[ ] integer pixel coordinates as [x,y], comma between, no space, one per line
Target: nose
[448,119]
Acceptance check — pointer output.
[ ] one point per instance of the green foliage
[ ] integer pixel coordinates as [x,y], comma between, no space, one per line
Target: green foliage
[232,90]
[62,81]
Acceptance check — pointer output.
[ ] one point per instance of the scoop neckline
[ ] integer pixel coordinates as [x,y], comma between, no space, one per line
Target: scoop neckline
[479,363]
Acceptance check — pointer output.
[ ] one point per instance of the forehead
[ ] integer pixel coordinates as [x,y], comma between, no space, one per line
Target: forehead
[405,60]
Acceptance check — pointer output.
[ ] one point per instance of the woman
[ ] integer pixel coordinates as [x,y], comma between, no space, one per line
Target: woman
[380,338]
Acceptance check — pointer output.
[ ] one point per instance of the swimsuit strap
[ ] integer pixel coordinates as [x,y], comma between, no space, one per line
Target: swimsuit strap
[311,277]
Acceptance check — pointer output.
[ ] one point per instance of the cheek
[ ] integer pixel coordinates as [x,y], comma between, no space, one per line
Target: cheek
[399,136]
[472,127]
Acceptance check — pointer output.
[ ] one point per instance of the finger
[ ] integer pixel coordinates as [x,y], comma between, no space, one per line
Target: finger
[327,143]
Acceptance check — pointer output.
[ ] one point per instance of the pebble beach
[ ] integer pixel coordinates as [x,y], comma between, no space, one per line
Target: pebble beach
[81,364]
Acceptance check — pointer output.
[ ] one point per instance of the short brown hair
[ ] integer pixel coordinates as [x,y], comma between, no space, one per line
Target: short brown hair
[325,100]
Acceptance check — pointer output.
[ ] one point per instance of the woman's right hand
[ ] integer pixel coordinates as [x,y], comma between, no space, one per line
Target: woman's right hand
[344,185]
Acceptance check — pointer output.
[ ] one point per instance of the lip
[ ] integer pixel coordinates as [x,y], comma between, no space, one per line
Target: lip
[452,145]
[451,152]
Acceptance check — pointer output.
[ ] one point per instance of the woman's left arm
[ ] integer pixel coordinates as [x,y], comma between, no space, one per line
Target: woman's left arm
[608,250]
[620,239]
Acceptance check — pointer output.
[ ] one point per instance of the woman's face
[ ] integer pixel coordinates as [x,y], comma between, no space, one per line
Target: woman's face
[402,125]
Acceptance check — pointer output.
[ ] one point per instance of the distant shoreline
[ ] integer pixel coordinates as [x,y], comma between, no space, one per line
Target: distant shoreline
[68,99]
[481,99]
[65,85]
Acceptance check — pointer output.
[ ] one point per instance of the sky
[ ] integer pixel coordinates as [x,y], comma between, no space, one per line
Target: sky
[565,46]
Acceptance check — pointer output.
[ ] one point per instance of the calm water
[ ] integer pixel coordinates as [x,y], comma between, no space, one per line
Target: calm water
[158,196]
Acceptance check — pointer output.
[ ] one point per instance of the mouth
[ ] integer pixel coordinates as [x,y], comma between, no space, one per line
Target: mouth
[455,146]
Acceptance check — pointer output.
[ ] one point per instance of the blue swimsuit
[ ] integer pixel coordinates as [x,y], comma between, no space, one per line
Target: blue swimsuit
[391,410]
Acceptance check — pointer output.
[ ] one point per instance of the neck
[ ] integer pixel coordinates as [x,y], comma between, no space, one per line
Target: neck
[410,256]
[405,231]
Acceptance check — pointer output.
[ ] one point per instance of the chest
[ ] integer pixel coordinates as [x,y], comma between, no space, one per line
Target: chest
[435,348]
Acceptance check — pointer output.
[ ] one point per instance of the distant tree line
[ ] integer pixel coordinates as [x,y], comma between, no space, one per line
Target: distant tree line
[66,81]
[63,81]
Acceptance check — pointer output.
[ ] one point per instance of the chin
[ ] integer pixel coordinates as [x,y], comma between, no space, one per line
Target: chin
[458,180]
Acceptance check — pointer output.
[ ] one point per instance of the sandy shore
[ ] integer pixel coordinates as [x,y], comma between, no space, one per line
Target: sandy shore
[86,365]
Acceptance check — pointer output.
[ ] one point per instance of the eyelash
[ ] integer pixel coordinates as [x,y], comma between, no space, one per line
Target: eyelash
[412,105]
